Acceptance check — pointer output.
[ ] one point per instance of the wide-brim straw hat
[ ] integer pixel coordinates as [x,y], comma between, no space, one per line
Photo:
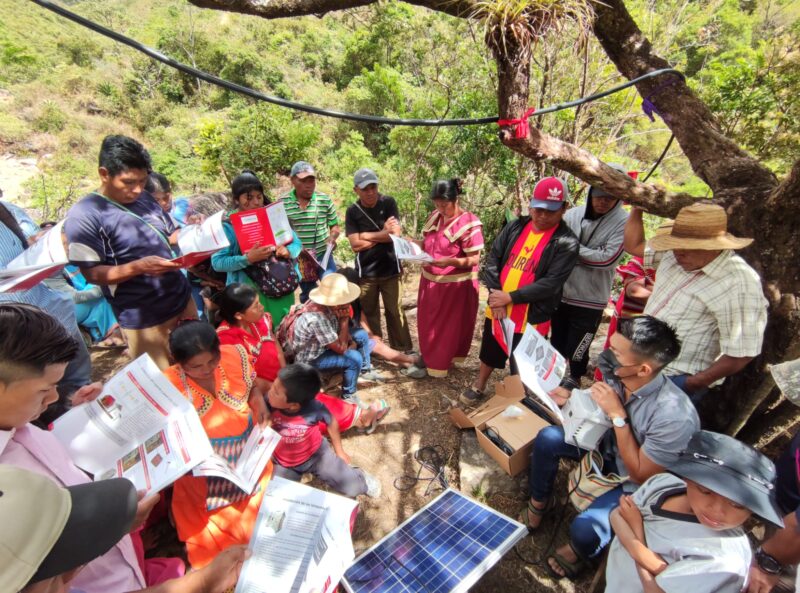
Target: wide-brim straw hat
[699,226]
[334,290]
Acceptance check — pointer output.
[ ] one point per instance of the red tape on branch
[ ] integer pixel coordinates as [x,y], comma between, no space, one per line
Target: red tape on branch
[521,124]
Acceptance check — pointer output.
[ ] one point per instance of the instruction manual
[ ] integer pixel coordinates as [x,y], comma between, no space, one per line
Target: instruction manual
[198,241]
[250,465]
[263,226]
[301,542]
[406,250]
[540,366]
[39,261]
[140,428]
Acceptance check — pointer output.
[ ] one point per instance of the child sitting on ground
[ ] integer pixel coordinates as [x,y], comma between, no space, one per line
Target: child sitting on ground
[683,532]
[297,416]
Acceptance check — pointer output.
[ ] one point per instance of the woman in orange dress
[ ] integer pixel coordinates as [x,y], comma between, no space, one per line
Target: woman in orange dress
[212,514]
[245,323]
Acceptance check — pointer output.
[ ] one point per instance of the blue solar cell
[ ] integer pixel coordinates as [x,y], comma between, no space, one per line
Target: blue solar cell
[443,548]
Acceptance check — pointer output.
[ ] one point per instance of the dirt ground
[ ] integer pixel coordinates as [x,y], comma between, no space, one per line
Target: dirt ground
[419,418]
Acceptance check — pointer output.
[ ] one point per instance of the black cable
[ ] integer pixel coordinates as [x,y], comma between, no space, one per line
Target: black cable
[661,158]
[237,88]
[432,460]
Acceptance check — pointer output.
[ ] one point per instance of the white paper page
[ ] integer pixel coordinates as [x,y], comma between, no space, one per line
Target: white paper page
[407,251]
[217,467]
[135,404]
[540,366]
[334,549]
[279,223]
[256,454]
[164,457]
[326,258]
[207,236]
[26,278]
[48,250]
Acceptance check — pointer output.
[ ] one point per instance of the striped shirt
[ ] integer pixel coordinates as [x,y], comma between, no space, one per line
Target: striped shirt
[313,222]
[718,309]
[58,304]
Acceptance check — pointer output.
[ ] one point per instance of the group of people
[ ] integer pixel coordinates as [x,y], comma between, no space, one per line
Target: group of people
[230,336]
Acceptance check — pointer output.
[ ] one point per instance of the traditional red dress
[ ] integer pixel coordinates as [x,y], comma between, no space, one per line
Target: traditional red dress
[448,296]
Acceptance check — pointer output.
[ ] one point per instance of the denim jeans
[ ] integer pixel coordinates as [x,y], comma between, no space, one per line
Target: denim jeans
[591,531]
[351,362]
[329,468]
[306,287]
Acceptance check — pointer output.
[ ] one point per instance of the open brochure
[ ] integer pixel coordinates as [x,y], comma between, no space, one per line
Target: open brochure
[140,428]
[301,542]
[405,250]
[250,465]
[327,257]
[540,366]
[39,261]
[198,241]
[263,226]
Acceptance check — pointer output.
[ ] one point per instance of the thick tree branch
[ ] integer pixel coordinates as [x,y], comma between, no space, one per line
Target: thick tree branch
[715,158]
[276,9]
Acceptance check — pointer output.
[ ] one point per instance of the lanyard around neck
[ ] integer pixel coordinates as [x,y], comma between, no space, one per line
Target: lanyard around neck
[152,228]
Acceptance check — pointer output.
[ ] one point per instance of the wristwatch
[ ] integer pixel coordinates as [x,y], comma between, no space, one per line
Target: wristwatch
[619,421]
[767,563]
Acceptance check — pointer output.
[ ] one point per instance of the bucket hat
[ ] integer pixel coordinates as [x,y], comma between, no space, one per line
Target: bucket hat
[699,226]
[334,290]
[733,470]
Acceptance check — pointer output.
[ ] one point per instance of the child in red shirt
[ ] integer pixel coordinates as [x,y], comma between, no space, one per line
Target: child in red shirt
[297,416]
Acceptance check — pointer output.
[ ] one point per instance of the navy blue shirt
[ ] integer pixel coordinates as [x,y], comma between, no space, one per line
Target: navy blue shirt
[787,489]
[102,232]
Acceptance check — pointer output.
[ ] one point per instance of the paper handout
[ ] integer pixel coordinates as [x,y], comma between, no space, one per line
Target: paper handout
[540,366]
[140,428]
[198,241]
[250,465]
[327,257]
[405,250]
[263,226]
[301,541]
[39,261]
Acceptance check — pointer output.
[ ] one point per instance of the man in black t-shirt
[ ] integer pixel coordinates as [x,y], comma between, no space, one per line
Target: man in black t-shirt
[369,222]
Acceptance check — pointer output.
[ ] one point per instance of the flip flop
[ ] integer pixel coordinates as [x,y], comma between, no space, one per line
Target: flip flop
[383,410]
[571,569]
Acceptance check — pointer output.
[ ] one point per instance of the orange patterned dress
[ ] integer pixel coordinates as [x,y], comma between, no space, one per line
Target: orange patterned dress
[211,514]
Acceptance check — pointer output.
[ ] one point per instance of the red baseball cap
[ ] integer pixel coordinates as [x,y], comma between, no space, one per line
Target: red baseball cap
[550,193]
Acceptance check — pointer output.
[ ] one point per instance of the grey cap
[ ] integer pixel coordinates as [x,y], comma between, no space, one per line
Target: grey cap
[734,470]
[365,177]
[302,169]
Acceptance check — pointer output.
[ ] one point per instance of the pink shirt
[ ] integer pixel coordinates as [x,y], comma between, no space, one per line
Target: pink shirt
[38,451]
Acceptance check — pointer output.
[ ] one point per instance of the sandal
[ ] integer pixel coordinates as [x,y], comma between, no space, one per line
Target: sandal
[571,569]
[471,396]
[383,410]
[539,512]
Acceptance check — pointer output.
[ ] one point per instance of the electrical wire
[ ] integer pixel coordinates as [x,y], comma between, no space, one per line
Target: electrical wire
[374,119]
[660,158]
[432,460]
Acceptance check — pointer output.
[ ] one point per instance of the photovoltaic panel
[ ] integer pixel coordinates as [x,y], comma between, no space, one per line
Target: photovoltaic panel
[444,547]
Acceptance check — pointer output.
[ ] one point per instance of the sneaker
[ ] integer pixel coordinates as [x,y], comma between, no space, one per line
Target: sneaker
[415,372]
[352,398]
[373,485]
[471,396]
[371,376]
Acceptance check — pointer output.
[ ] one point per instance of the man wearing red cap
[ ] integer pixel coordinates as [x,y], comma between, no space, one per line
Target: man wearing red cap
[525,272]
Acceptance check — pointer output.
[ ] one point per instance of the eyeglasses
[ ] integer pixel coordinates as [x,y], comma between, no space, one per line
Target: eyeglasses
[757,480]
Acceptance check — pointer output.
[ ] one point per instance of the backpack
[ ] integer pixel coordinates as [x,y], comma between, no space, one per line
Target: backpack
[274,277]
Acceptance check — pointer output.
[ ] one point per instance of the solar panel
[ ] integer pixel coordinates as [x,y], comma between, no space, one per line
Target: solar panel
[444,547]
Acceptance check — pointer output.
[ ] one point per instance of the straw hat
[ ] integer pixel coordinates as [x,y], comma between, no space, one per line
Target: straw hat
[333,290]
[699,226]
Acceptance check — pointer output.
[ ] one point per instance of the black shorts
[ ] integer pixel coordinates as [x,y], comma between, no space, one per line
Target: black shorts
[491,353]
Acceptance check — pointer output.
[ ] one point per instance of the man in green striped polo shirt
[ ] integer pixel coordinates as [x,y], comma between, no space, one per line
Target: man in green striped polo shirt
[313,217]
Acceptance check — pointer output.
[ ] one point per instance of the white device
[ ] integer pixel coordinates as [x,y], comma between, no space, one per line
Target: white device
[585,423]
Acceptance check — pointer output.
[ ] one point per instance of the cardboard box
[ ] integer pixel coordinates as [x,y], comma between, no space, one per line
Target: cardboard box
[518,432]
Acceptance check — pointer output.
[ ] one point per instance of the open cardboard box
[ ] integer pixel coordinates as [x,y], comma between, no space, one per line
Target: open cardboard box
[518,432]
